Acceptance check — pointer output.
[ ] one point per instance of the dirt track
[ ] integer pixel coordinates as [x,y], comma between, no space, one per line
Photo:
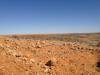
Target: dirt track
[47,57]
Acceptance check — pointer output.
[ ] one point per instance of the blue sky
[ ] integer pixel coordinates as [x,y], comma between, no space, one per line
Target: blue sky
[49,16]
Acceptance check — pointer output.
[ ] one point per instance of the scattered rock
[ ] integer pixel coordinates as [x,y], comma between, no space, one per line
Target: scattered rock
[18,55]
[98,66]
[38,46]
[49,64]
[32,60]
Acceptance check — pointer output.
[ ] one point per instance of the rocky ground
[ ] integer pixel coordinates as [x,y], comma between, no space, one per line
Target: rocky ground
[48,57]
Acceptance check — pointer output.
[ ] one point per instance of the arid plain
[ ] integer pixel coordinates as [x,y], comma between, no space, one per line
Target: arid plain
[50,54]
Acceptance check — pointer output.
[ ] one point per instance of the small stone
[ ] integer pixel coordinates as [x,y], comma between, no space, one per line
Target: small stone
[38,46]
[17,55]
[32,60]
[49,64]
[98,66]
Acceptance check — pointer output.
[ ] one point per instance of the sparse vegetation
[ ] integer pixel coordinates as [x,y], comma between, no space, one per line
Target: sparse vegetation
[54,54]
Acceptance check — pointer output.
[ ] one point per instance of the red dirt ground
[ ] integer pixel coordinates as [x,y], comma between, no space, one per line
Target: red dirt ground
[49,56]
